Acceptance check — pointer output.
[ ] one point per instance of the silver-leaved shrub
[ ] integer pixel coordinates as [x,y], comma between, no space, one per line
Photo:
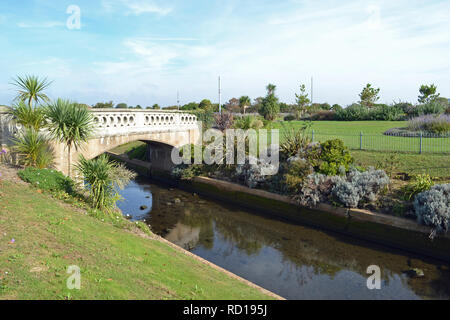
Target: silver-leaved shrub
[432,207]
[359,187]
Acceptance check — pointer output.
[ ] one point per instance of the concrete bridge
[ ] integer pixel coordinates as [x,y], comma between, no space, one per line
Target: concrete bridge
[161,130]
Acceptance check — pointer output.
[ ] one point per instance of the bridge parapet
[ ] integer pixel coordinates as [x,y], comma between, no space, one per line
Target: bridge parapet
[110,122]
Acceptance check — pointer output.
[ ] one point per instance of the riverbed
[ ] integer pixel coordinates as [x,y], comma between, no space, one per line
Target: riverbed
[291,260]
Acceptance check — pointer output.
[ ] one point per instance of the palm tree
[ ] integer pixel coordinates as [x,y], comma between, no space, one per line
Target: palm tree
[270,89]
[244,102]
[70,124]
[27,116]
[103,178]
[31,88]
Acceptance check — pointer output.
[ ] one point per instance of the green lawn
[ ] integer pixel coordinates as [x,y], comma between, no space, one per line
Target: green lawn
[372,136]
[125,148]
[436,165]
[115,263]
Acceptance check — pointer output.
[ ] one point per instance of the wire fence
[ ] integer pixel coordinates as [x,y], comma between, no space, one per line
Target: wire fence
[395,142]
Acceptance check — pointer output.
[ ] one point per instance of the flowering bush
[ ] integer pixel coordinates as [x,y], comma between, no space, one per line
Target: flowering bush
[432,207]
[430,123]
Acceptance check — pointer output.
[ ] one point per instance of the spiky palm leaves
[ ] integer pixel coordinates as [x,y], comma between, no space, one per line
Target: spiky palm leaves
[33,148]
[31,88]
[27,116]
[102,178]
[70,124]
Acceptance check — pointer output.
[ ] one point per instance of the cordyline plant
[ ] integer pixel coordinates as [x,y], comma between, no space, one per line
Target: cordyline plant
[103,178]
[69,123]
[31,88]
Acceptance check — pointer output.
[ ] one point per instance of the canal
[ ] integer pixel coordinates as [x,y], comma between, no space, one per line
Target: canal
[292,260]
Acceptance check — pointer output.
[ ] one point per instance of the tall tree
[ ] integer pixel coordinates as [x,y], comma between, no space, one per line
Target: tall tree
[428,93]
[205,104]
[70,124]
[271,88]
[302,100]
[31,88]
[270,107]
[244,102]
[233,105]
[369,95]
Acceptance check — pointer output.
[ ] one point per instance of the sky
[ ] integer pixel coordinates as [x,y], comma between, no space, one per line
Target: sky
[144,51]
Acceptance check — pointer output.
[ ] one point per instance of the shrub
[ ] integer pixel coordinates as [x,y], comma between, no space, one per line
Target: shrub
[430,123]
[294,140]
[419,183]
[432,207]
[223,120]
[323,115]
[336,107]
[256,172]
[333,156]
[33,149]
[359,187]
[357,112]
[404,106]
[433,107]
[46,179]
[298,170]
[316,188]
[385,113]
[354,112]
[289,117]
[187,171]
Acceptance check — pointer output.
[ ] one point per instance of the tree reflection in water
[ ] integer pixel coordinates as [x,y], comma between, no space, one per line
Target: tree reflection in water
[292,260]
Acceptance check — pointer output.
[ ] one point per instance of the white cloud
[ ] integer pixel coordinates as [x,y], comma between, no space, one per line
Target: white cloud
[136,7]
[38,25]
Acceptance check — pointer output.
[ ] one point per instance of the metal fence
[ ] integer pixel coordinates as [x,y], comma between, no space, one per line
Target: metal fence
[418,143]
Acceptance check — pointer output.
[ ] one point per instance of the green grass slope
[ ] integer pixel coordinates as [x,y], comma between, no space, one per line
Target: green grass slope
[115,263]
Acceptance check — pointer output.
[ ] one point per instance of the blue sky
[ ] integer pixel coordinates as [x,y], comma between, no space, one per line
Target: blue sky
[143,51]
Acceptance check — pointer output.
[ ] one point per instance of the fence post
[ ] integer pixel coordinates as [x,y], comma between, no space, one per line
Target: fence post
[360,140]
[312,138]
[420,146]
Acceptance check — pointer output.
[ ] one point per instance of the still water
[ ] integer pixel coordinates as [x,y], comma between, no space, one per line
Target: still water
[294,261]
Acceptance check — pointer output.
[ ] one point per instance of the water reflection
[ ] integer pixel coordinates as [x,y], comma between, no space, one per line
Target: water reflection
[294,261]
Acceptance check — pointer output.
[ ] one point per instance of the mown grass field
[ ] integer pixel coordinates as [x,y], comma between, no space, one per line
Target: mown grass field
[372,136]
[115,263]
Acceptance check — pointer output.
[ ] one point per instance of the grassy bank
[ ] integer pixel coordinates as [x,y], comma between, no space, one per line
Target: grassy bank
[49,236]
